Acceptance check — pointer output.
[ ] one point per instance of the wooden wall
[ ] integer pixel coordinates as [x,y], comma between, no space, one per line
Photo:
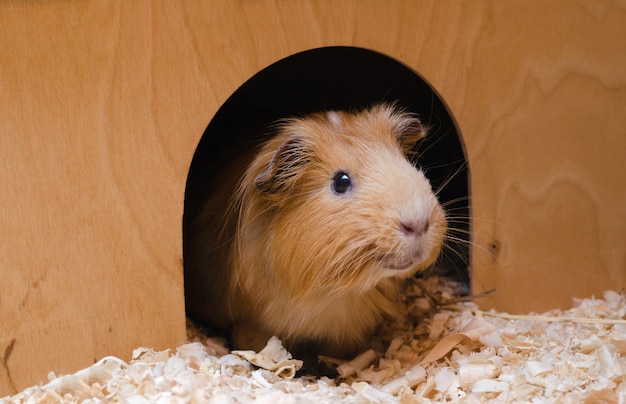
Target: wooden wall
[102,104]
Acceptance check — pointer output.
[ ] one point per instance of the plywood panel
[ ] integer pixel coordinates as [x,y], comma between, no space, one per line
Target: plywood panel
[103,102]
[548,177]
[90,204]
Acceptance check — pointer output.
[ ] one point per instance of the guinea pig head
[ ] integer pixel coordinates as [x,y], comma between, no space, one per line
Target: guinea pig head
[337,205]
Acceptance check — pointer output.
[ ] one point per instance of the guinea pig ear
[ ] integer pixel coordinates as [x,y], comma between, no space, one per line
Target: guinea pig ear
[409,131]
[282,170]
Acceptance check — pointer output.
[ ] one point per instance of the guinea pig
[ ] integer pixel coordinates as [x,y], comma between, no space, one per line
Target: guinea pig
[324,225]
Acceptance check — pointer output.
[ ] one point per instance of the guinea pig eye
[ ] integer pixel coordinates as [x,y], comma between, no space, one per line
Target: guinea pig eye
[341,183]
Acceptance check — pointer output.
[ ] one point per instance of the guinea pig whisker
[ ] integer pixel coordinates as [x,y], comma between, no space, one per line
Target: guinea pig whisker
[458,240]
[449,178]
[465,219]
[457,214]
[431,129]
[455,201]
[460,219]
[458,224]
[457,237]
[447,250]
[451,164]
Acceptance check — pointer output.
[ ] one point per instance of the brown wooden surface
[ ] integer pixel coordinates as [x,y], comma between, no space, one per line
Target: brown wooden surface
[103,102]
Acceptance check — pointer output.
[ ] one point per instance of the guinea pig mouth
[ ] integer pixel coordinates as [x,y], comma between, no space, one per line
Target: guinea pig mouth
[401,263]
[399,267]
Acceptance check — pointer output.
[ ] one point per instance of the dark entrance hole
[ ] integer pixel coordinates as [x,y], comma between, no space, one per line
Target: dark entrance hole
[328,78]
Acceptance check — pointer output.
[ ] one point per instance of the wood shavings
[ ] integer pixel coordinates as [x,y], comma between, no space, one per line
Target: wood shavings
[274,358]
[357,364]
[434,352]
[477,328]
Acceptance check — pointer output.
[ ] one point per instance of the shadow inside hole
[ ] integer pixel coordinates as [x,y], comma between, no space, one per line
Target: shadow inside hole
[342,78]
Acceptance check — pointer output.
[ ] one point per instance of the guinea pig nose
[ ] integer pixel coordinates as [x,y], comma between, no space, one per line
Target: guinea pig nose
[415,227]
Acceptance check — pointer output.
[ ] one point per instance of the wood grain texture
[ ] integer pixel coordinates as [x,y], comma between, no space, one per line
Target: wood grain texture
[103,103]
[548,175]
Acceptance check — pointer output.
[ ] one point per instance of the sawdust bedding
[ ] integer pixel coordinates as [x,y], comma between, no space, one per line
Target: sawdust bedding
[442,350]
